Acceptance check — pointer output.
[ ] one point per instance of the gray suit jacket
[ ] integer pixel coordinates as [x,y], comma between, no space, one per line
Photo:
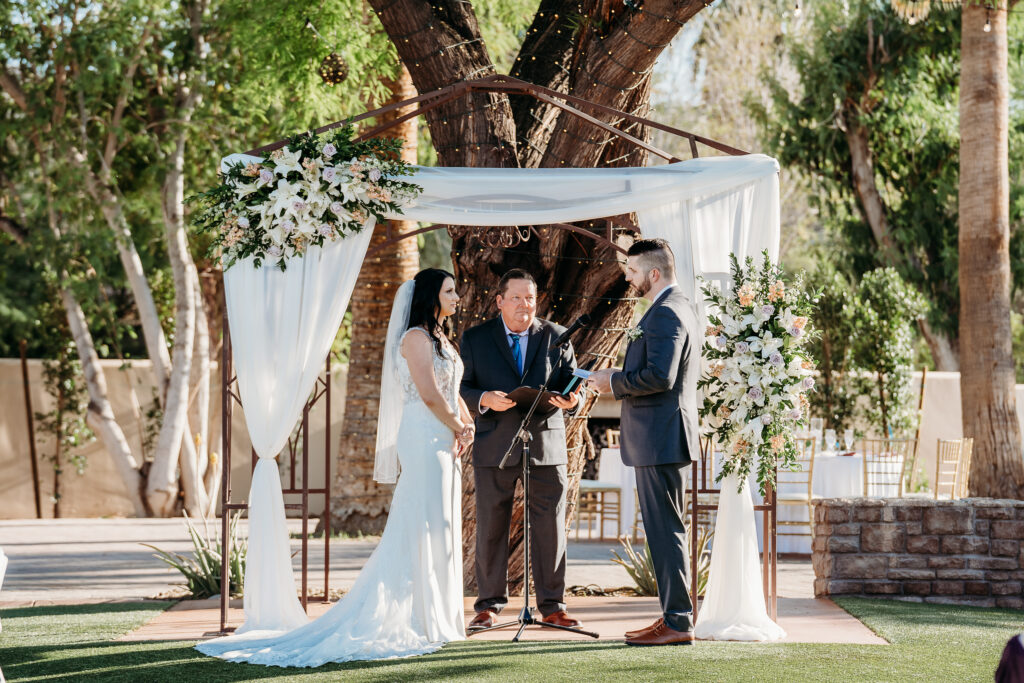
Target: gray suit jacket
[489,366]
[658,386]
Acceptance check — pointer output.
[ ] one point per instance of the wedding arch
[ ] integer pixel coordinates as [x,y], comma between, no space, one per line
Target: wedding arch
[280,324]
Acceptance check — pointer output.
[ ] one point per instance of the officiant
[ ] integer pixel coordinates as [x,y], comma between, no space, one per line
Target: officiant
[504,353]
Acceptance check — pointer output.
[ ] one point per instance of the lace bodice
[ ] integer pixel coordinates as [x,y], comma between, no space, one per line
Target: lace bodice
[447,372]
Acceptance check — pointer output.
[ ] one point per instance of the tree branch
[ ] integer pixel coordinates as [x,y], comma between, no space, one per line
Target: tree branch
[10,85]
[13,228]
[110,148]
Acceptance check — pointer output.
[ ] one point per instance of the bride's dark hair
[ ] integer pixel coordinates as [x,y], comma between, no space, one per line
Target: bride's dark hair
[426,304]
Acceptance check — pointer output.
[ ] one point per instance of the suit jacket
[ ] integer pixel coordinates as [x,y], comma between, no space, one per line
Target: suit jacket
[658,386]
[489,366]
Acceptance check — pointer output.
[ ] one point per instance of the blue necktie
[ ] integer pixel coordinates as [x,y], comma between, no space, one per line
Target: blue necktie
[517,353]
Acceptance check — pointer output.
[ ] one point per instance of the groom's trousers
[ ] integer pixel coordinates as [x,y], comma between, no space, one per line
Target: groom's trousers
[495,489]
[662,496]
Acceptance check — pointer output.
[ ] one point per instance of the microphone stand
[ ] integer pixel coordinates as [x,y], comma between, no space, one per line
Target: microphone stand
[524,437]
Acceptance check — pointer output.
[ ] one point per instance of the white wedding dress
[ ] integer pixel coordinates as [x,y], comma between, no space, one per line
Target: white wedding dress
[407,599]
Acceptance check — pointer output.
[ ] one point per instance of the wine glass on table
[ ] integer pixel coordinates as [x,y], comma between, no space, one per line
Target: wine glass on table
[817,424]
[831,442]
[848,439]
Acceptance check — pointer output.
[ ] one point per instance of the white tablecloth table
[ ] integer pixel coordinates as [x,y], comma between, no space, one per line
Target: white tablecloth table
[835,476]
[612,471]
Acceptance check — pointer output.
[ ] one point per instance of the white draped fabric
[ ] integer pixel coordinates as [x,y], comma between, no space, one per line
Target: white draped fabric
[282,323]
[734,607]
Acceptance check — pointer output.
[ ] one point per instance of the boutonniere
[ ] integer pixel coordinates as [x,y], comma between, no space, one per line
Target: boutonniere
[634,333]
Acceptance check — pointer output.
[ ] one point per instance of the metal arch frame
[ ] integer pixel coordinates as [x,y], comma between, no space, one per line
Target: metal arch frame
[500,83]
[497,83]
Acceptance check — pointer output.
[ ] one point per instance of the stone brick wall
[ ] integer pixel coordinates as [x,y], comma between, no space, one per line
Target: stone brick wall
[962,551]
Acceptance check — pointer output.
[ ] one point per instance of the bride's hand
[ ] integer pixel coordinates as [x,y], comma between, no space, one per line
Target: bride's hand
[466,435]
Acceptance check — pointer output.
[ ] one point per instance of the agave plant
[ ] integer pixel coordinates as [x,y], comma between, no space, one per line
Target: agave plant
[202,572]
[641,567]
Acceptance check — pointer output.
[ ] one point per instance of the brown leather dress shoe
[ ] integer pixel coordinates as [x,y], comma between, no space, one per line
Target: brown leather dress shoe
[662,634]
[483,619]
[562,618]
[645,629]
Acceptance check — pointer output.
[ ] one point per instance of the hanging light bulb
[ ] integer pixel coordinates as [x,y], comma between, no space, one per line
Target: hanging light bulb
[988,20]
[796,9]
[333,69]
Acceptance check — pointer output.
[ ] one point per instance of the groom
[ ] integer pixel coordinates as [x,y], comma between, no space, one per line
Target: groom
[658,389]
[500,355]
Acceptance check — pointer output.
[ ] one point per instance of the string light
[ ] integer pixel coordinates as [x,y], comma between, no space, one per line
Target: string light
[988,19]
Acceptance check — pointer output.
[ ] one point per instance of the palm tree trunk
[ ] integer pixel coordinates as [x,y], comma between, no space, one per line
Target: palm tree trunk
[986,360]
[358,503]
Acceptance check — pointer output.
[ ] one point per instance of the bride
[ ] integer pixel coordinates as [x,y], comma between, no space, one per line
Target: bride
[407,599]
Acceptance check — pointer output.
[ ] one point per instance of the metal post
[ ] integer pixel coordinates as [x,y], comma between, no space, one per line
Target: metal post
[774,579]
[693,541]
[22,345]
[225,476]
[305,502]
[327,487]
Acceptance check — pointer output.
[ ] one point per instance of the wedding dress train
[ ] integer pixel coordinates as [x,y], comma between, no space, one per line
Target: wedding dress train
[407,599]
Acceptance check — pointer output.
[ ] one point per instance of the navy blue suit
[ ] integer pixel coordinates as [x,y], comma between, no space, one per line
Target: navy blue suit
[659,438]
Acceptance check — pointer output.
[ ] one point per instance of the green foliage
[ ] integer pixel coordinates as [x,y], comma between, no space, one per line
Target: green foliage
[835,397]
[639,567]
[64,382]
[864,71]
[66,422]
[865,349]
[202,571]
[884,344]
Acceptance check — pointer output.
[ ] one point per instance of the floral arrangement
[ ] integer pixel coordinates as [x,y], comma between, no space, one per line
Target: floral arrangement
[757,371]
[314,190]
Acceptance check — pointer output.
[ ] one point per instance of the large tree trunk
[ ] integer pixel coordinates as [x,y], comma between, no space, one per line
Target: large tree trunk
[944,349]
[162,484]
[986,360]
[487,130]
[358,503]
[152,331]
[100,415]
[870,201]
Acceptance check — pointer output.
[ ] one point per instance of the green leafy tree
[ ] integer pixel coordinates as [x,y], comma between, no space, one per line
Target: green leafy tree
[874,122]
[106,116]
[835,396]
[883,344]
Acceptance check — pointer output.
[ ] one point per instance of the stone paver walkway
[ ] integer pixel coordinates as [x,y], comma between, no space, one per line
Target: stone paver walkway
[99,560]
[805,620]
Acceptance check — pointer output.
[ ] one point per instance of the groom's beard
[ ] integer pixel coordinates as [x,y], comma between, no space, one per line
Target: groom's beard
[641,289]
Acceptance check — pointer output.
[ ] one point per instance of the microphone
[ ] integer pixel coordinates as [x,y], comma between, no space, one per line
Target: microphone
[563,338]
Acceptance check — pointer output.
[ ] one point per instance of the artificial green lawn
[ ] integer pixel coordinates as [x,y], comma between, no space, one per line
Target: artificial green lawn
[928,642]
